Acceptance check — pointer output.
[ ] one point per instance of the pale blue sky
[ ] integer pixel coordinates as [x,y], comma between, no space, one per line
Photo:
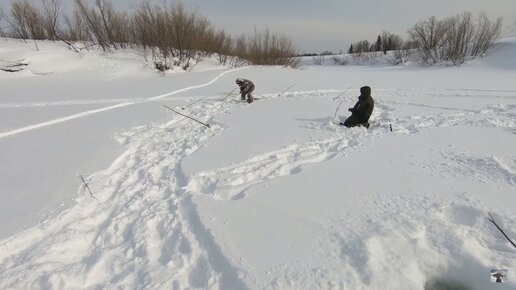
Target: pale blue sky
[331,24]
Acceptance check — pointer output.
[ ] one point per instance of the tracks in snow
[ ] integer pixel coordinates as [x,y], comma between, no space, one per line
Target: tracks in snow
[231,182]
[109,108]
[143,231]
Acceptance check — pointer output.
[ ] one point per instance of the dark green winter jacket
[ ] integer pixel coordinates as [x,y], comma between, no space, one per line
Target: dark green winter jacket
[363,108]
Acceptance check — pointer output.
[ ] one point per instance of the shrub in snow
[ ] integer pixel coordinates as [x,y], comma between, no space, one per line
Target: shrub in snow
[318,59]
[366,57]
[161,66]
[340,60]
[401,56]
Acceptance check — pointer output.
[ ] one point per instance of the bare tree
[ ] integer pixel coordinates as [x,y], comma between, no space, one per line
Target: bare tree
[105,14]
[485,35]
[50,20]
[76,28]
[152,34]
[361,46]
[429,36]
[223,46]
[318,59]
[364,52]
[206,42]
[93,22]
[105,26]
[454,39]
[177,34]
[390,42]
[265,48]
[240,51]
[146,28]
[169,35]
[25,21]
[459,34]
[52,11]
[184,28]
[2,16]
[383,38]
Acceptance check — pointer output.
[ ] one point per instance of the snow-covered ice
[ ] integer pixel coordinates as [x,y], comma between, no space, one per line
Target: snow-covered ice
[274,195]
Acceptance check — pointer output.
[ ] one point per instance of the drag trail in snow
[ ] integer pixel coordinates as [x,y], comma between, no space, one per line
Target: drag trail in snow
[113,107]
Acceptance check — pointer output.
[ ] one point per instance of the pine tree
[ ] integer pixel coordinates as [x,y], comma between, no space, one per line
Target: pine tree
[350,49]
[378,46]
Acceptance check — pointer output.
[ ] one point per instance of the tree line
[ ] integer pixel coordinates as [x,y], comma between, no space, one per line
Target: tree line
[451,40]
[168,35]
[175,36]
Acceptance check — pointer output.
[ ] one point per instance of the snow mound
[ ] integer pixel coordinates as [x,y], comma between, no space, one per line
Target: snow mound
[502,55]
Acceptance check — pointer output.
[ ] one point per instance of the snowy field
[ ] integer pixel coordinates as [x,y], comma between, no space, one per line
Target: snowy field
[273,195]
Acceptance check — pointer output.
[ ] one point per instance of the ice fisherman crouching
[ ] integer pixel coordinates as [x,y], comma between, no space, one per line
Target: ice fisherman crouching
[246,89]
[362,110]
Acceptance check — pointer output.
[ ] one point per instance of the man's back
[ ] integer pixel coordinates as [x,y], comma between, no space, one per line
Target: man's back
[365,107]
[362,110]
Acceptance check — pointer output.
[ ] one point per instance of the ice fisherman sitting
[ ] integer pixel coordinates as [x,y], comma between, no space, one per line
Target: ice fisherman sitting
[362,110]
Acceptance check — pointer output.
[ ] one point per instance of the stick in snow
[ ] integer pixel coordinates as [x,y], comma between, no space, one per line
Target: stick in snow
[191,104]
[340,104]
[204,124]
[164,116]
[491,219]
[390,125]
[223,99]
[87,186]
[287,90]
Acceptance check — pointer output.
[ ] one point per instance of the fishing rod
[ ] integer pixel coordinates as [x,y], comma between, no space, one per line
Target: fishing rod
[223,99]
[191,104]
[287,90]
[340,104]
[204,124]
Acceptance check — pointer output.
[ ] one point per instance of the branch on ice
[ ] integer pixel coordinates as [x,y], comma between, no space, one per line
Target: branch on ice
[491,219]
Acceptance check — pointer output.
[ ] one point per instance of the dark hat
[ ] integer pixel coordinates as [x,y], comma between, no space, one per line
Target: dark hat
[365,91]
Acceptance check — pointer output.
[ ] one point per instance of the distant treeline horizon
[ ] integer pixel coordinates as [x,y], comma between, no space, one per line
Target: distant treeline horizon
[176,36]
